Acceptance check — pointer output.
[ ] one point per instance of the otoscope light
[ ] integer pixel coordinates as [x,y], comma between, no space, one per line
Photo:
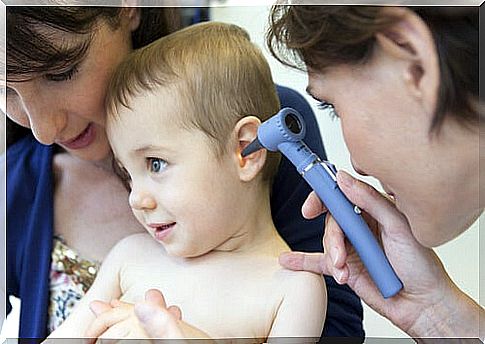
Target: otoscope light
[286,126]
[292,122]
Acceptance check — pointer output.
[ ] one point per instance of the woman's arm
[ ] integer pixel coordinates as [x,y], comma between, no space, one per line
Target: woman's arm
[430,304]
[457,315]
[106,287]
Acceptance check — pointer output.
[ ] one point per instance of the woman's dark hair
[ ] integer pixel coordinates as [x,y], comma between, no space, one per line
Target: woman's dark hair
[323,36]
[31,50]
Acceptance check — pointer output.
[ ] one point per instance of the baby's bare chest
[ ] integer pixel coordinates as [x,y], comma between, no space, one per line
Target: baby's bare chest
[224,301]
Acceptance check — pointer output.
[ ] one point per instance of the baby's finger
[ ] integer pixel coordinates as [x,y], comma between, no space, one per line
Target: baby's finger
[117,303]
[313,206]
[158,323]
[107,319]
[155,297]
[176,312]
[98,307]
[114,334]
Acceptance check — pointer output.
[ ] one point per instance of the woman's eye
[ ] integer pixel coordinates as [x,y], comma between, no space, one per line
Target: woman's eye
[323,105]
[67,75]
[156,165]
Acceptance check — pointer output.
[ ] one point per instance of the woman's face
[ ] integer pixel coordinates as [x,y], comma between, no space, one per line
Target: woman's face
[433,178]
[68,108]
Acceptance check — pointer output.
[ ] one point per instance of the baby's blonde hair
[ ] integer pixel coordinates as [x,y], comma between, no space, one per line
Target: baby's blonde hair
[219,75]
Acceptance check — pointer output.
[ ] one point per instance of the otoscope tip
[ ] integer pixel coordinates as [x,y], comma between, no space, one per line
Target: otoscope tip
[254,146]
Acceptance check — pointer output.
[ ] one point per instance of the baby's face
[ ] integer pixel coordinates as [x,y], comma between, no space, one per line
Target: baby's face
[185,197]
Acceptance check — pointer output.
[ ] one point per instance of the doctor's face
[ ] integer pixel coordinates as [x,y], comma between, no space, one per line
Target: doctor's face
[432,177]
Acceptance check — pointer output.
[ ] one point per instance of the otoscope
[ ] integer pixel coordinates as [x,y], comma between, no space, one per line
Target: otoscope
[285,132]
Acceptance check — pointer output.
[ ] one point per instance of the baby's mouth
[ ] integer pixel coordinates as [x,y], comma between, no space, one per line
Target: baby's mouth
[162,230]
[164,227]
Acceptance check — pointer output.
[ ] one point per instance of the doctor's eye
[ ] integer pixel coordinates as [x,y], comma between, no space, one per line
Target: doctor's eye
[156,165]
[328,107]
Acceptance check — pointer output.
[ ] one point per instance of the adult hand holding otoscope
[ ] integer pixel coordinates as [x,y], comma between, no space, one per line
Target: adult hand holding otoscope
[363,265]
[285,132]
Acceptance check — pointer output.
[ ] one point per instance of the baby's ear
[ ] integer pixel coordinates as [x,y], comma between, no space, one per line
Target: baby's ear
[245,131]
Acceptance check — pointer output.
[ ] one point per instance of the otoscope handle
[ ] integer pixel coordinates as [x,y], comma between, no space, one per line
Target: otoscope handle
[321,176]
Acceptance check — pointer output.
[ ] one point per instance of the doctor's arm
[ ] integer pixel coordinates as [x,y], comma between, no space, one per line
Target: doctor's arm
[430,304]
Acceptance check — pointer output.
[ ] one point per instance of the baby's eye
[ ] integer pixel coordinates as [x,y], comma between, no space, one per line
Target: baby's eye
[156,165]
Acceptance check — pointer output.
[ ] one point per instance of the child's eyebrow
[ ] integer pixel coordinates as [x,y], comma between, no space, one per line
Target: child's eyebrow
[150,147]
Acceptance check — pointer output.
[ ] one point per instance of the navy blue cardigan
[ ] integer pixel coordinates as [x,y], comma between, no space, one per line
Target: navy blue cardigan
[30,229]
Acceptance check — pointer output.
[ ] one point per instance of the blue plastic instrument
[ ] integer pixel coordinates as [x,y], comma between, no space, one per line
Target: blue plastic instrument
[284,132]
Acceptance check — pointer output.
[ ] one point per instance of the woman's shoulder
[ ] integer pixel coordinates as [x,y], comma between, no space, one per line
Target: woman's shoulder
[27,157]
[28,170]
[29,188]
[25,146]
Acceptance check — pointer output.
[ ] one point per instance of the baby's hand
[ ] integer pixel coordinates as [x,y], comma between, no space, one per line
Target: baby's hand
[149,319]
[160,321]
[115,320]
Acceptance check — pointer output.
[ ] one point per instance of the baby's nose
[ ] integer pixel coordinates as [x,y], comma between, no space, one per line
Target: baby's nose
[140,200]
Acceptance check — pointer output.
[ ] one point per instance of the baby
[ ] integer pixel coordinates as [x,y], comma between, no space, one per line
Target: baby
[179,113]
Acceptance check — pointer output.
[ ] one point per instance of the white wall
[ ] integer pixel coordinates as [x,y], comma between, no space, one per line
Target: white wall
[460,256]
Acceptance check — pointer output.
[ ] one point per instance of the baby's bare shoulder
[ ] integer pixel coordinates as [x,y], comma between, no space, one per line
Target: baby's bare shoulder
[284,279]
[292,281]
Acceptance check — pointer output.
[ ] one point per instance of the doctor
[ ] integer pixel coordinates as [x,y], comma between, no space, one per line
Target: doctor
[404,83]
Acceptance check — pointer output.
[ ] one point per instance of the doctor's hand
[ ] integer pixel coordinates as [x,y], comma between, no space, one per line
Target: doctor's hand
[429,299]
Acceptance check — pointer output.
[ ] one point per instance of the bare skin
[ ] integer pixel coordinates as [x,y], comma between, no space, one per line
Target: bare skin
[98,191]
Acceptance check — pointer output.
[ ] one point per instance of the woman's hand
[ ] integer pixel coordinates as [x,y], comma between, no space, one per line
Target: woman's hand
[149,319]
[429,299]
